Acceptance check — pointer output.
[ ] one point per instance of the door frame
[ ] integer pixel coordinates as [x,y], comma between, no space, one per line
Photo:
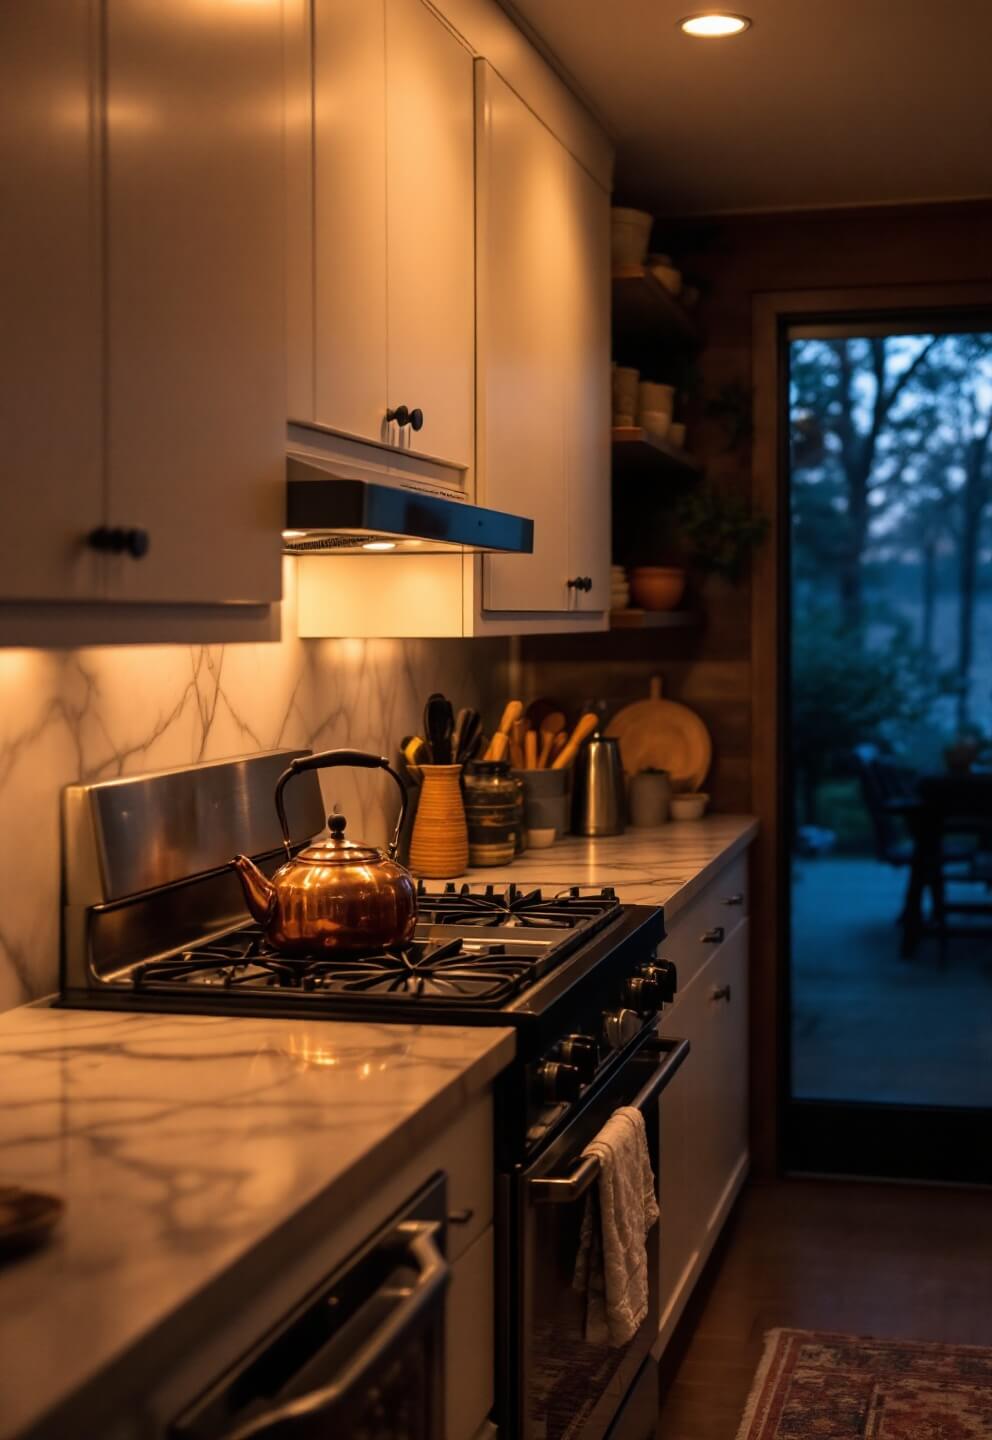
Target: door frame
[772,313]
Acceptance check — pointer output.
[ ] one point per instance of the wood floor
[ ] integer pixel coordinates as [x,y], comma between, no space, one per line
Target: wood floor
[891,1261]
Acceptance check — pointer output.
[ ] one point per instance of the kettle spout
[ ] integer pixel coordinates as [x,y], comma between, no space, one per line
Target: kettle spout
[260,893]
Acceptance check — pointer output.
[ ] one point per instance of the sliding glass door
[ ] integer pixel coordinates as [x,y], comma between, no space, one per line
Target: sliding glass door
[889,718]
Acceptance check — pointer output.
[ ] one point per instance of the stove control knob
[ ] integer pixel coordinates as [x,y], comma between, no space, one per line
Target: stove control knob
[558,1081]
[642,992]
[666,977]
[621,1027]
[582,1052]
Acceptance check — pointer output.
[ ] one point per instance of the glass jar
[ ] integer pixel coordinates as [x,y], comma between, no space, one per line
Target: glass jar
[492,810]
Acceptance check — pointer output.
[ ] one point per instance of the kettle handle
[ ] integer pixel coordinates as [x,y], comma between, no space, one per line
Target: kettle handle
[324,760]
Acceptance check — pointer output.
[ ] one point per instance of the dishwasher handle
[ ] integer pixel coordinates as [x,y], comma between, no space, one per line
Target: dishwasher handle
[563,1189]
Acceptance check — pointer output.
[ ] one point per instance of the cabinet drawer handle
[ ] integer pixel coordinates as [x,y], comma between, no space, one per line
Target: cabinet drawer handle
[460,1217]
[713,937]
[737,899]
[404,416]
[721,992]
[116,540]
[580,582]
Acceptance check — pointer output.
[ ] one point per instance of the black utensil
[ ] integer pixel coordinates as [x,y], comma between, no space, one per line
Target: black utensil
[468,741]
[456,739]
[439,724]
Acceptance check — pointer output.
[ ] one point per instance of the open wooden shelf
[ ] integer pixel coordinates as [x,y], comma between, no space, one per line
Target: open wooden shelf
[644,310]
[638,452]
[653,619]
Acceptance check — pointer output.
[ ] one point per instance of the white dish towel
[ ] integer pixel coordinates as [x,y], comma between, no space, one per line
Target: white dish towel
[611,1269]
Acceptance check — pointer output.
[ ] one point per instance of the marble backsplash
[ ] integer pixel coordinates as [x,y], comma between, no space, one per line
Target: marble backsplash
[87,715]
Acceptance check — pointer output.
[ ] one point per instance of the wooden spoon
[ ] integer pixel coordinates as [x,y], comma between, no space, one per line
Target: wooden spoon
[530,750]
[552,725]
[582,731]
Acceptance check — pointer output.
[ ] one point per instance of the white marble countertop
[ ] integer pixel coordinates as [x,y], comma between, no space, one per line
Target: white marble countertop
[181,1144]
[666,866]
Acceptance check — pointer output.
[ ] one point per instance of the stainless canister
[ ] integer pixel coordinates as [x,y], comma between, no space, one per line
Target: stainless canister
[598,806]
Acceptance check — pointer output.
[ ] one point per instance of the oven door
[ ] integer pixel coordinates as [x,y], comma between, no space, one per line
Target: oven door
[569,1388]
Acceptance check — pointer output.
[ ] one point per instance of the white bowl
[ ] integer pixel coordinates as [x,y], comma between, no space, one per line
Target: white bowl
[630,231]
[540,839]
[689,807]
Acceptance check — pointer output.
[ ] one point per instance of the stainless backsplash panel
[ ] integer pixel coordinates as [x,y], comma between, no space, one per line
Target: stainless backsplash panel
[122,837]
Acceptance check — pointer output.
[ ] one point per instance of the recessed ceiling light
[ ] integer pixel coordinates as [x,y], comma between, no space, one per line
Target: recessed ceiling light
[714,25]
[379,545]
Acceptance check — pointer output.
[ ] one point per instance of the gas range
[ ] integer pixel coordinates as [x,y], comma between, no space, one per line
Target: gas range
[154,920]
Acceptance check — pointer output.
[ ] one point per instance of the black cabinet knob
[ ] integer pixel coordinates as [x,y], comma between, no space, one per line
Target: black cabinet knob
[714,936]
[404,416]
[580,582]
[116,540]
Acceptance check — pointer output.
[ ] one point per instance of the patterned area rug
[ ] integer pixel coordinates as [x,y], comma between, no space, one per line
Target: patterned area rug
[815,1386]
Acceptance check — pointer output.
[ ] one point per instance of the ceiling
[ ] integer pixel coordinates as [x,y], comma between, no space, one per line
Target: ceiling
[820,103]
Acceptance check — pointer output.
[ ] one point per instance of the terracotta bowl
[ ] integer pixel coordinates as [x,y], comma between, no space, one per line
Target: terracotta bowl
[657,587]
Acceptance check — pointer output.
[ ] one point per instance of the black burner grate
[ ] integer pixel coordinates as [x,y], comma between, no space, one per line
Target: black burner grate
[566,910]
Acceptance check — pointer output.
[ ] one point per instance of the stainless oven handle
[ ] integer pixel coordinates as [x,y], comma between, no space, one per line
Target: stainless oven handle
[296,1416]
[563,1189]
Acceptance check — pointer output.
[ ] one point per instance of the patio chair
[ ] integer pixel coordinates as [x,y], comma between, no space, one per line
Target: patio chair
[889,791]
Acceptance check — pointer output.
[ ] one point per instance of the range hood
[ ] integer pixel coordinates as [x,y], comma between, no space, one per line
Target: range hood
[339,515]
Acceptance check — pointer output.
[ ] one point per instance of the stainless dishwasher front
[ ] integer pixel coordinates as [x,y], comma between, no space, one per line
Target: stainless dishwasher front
[362,1355]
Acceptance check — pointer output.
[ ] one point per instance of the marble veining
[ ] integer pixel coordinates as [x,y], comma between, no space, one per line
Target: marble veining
[87,715]
[664,866]
[179,1143]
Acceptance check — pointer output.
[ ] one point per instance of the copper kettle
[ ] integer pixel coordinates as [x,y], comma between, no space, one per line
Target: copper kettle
[332,895]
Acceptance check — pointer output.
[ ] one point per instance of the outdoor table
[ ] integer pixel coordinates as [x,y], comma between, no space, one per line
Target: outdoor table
[948,804]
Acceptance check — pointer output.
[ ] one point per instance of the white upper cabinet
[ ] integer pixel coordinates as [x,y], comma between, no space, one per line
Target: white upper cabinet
[143,349]
[349,219]
[195,295]
[586,381]
[51,467]
[430,221]
[522,218]
[543,368]
[393,216]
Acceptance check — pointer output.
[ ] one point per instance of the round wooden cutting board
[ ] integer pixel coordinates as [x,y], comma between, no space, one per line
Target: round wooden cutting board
[657,734]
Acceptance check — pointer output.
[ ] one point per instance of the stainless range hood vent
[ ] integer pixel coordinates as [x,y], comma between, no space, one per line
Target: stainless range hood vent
[332,514]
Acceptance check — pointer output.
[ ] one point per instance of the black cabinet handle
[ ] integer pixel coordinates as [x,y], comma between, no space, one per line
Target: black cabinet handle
[713,937]
[737,899]
[403,416]
[116,540]
[721,992]
[580,582]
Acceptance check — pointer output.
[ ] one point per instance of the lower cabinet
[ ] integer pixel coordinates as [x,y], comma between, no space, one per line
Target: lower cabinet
[470,1340]
[704,1119]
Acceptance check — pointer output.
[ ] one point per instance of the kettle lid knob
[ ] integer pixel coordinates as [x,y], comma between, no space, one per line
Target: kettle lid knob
[336,825]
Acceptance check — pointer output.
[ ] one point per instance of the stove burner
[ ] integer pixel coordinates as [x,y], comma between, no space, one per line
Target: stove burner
[453,970]
[513,906]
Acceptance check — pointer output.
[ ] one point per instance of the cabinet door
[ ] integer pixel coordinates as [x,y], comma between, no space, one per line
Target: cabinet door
[727,999]
[430,222]
[586,378]
[195,297]
[349,217]
[51,485]
[522,216]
